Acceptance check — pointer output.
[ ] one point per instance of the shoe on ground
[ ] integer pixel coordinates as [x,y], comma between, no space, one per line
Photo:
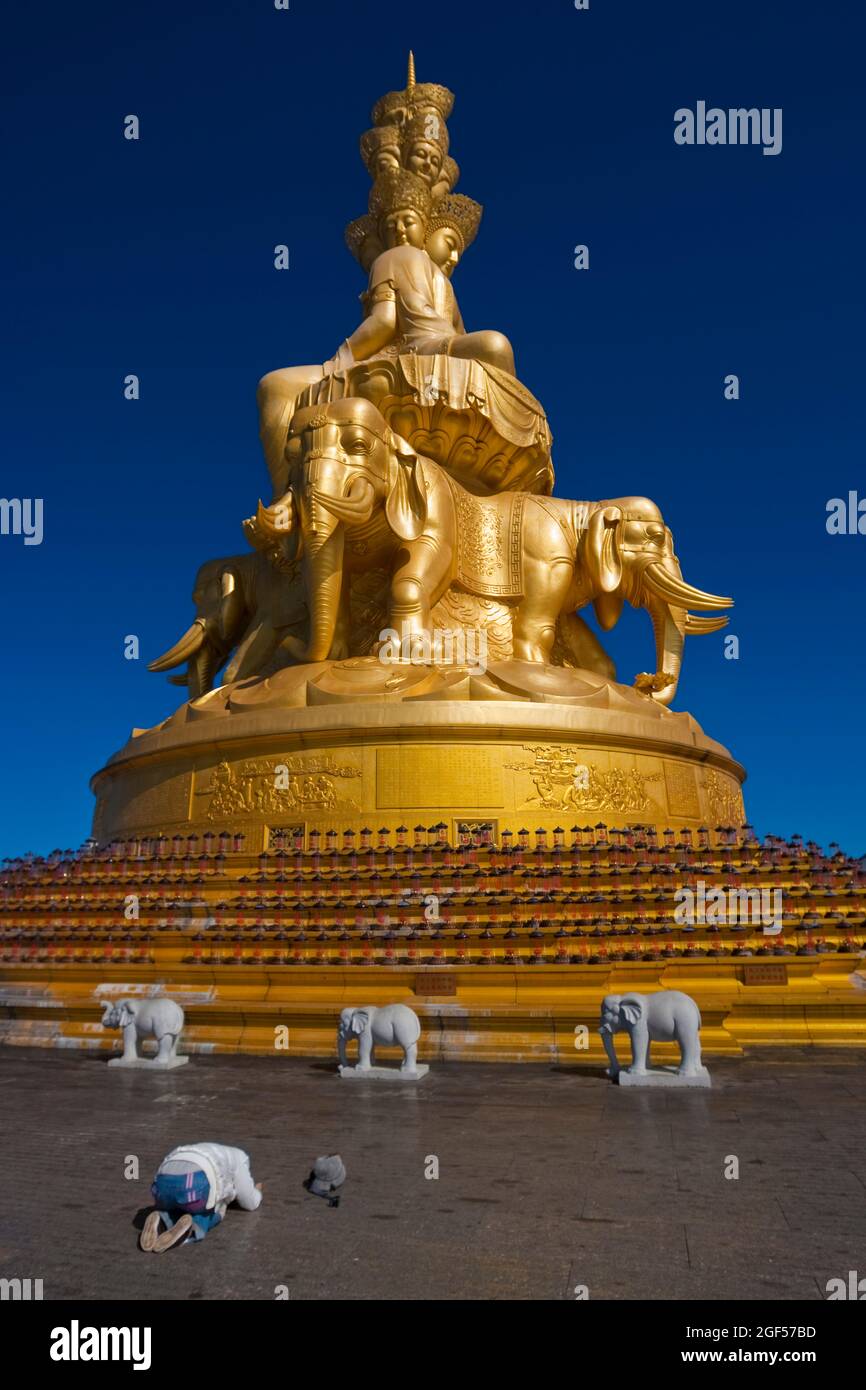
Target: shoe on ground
[179,1232]
[150,1231]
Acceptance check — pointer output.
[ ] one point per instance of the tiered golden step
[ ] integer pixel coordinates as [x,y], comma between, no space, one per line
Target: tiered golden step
[522,940]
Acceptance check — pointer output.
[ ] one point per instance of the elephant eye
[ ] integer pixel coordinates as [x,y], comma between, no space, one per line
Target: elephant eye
[358,446]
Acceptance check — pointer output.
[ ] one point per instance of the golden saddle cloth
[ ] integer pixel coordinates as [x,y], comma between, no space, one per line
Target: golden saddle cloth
[489,543]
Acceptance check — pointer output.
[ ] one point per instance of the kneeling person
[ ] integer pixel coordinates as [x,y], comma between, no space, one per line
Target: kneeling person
[193,1186]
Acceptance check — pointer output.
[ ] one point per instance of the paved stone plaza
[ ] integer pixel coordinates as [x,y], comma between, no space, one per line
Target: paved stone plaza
[548,1179]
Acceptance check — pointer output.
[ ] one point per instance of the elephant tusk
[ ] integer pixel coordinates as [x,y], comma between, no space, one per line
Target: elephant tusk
[188,645]
[696,626]
[678,592]
[266,520]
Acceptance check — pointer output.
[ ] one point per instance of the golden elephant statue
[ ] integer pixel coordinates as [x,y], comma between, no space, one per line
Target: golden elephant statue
[249,613]
[361,498]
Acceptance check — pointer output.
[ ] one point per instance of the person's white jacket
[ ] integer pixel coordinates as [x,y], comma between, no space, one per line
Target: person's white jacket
[227,1170]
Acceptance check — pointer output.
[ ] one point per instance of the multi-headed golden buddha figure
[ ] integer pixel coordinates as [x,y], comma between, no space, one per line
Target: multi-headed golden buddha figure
[409,300]
[411,354]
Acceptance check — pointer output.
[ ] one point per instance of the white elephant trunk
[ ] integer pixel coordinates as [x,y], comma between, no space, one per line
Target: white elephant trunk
[609,1046]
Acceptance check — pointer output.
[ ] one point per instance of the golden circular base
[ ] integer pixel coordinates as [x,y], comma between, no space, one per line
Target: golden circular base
[355,744]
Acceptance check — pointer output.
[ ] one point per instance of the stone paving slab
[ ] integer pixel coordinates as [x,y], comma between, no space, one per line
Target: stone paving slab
[548,1179]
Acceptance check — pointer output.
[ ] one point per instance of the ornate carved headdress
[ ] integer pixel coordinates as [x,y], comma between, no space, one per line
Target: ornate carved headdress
[427,127]
[400,189]
[459,212]
[450,173]
[396,107]
[362,239]
[382,137]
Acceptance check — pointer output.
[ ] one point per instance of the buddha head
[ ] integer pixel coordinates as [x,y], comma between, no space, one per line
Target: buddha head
[447,179]
[380,150]
[452,227]
[400,205]
[362,239]
[425,146]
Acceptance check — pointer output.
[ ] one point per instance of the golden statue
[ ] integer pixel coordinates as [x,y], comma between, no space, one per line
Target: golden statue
[352,494]
[410,241]
[352,477]
[410,495]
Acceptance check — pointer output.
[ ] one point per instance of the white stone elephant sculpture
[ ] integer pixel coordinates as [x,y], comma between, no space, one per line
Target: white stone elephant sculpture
[667,1016]
[160,1018]
[392,1025]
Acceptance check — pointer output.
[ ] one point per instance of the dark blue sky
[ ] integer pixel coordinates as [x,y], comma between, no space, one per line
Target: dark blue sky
[156,257]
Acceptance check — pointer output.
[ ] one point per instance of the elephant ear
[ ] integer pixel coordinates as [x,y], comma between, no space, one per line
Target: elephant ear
[608,608]
[632,1008]
[406,504]
[107,1011]
[231,610]
[603,559]
[360,1019]
[126,1015]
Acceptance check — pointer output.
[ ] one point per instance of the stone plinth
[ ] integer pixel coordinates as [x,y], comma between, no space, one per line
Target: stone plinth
[663,1076]
[383,1073]
[148,1063]
[339,745]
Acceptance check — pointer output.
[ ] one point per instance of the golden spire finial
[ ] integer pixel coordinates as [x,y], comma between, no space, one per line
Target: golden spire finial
[410,76]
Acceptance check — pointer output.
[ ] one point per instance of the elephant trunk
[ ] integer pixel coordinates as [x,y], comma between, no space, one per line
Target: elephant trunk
[610,1048]
[355,508]
[200,677]
[341,1045]
[668,626]
[662,590]
[324,576]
